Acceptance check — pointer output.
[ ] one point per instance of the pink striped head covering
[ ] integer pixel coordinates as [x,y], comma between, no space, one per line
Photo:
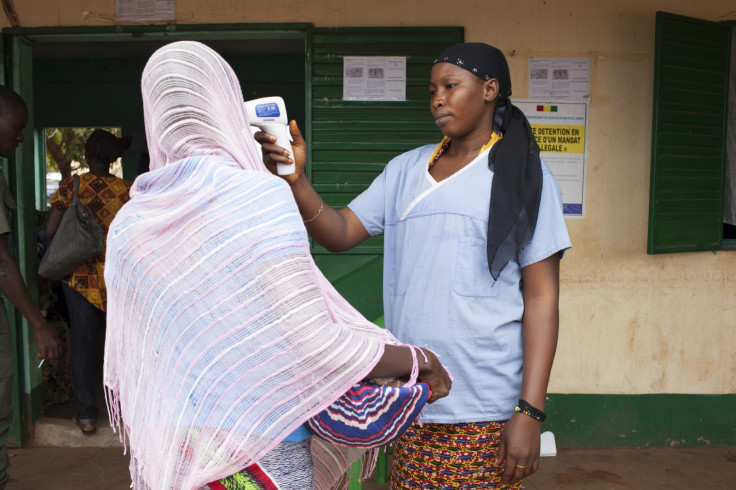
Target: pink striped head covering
[193,105]
[223,336]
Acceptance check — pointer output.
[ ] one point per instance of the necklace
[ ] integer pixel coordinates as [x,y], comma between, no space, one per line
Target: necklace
[446,143]
[438,153]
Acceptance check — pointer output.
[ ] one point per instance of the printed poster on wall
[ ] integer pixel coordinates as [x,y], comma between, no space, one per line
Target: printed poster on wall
[559,78]
[374,78]
[140,10]
[560,128]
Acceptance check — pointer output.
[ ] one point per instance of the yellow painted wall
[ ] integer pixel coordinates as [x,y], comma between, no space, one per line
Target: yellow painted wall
[630,323]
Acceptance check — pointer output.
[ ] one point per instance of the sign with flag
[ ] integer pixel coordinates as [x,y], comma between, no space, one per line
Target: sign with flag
[560,128]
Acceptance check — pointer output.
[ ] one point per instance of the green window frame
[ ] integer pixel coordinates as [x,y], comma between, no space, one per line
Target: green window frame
[691,81]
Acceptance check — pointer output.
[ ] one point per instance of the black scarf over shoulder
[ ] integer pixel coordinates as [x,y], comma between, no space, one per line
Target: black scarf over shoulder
[514,160]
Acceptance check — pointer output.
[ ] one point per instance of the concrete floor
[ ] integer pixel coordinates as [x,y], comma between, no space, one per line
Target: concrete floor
[62,458]
[594,469]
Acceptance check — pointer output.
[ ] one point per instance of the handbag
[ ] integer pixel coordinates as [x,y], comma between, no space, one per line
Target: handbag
[78,239]
[370,415]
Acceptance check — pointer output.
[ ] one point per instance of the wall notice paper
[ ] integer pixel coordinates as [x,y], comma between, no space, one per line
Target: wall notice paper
[140,10]
[559,78]
[560,128]
[374,78]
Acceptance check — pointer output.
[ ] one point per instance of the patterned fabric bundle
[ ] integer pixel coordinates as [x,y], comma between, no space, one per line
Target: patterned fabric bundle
[252,478]
[223,337]
[370,415]
[288,466]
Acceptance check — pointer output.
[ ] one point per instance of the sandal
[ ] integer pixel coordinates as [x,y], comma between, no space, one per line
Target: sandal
[87,429]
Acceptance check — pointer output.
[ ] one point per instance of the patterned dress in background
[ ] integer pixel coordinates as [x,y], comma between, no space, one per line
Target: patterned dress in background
[103,196]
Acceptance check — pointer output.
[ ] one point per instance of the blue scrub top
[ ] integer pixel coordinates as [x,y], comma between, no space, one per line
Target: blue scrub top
[437,288]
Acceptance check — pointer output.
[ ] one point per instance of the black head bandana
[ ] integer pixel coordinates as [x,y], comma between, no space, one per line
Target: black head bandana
[514,160]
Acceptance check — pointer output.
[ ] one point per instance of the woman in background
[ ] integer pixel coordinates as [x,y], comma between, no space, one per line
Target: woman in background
[85,292]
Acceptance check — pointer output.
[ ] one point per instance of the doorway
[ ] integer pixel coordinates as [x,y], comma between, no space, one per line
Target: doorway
[90,77]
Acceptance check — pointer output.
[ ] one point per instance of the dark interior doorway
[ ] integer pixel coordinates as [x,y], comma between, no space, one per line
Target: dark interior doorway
[85,78]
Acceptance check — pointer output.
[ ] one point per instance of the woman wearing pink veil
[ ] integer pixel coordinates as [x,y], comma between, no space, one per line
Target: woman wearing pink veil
[223,336]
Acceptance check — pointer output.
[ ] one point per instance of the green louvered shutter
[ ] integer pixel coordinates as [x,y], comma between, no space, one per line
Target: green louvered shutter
[691,74]
[350,142]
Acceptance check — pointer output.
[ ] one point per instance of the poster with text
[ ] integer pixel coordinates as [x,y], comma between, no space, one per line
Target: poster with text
[559,78]
[560,130]
[144,10]
[374,78]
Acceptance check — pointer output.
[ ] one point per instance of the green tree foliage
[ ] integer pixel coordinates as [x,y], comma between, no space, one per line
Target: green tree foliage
[66,145]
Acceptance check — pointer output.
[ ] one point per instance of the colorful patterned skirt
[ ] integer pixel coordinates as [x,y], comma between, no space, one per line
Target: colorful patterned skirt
[287,467]
[448,456]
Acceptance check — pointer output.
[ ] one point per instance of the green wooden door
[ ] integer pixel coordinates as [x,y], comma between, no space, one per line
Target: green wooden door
[691,75]
[350,142]
[27,392]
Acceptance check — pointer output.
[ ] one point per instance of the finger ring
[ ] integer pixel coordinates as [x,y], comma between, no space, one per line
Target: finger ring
[520,466]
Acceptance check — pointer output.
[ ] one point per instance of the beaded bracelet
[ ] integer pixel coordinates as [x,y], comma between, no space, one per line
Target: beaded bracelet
[527,409]
[321,207]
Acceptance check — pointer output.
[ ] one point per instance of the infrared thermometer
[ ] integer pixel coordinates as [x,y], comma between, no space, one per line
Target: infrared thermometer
[269,115]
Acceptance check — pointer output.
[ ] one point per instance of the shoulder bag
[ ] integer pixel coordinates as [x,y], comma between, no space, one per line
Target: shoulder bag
[78,239]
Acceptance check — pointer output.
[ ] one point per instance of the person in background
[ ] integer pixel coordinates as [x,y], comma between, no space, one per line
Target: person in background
[85,292]
[473,235]
[13,120]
